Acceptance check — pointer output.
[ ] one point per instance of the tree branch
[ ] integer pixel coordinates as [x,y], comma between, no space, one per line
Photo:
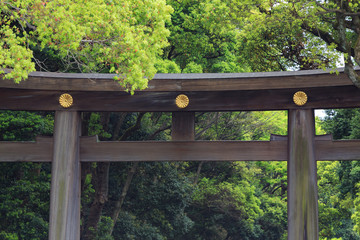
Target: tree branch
[120,201]
[326,36]
[151,137]
[349,66]
[133,128]
[341,11]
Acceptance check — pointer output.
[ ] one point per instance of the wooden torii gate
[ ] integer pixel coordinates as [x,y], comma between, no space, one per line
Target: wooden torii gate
[298,92]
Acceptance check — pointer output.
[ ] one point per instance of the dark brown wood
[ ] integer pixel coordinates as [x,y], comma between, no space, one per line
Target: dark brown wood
[183,126]
[42,149]
[332,97]
[65,178]
[337,150]
[325,137]
[185,82]
[302,180]
[39,151]
[93,151]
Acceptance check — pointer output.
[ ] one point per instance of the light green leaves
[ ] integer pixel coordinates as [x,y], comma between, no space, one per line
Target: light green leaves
[88,35]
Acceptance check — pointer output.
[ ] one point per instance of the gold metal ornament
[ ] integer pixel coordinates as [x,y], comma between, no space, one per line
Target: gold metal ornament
[66,100]
[300,98]
[182,101]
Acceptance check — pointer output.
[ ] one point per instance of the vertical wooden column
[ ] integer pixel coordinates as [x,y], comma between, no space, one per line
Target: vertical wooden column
[65,181]
[183,126]
[302,181]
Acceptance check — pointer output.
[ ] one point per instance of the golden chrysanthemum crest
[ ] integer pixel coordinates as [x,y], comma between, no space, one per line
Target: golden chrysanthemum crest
[300,98]
[66,100]
[182,101]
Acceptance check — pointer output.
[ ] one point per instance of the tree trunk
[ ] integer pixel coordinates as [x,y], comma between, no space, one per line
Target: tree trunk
[198,171]
[349,66]
[101,182]
[120,201]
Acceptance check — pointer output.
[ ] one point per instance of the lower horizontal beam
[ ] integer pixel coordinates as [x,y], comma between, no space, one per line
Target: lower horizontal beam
[39,151]
[93,151]
[275,150]
[337,150]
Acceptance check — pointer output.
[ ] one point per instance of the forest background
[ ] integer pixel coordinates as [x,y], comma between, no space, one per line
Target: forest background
[136,39]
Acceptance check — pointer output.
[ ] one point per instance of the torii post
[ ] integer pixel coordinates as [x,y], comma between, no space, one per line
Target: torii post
[70,94]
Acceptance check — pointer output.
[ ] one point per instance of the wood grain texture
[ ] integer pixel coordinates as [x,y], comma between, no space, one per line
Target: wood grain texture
[183,126]
[39,151]
[302,179]
[331,97]
[184,82]
[347,150]
[65,178]
[93,151]
[42,150]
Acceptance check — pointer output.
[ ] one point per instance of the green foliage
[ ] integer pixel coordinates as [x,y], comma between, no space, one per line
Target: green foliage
[102,232]
[8,236]
[193,67]
[24,187]
[203,37]
[130,228]
[24,126]
[338,205]
[356,215]
[88,36]
[240,125]
[166,66]
[273,178]
[226,189]
[274,220]
[237,199]
[238,36]
[96,128]
[25,204]
[155,204]
[341,123]
[231,204]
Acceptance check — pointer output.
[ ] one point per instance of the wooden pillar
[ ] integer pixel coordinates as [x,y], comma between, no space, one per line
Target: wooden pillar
[302,181]
[183,126]
[65,181]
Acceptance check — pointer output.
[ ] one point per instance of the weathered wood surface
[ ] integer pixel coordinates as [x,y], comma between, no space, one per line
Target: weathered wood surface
[325,137]
[65,178]
[340,150]
[39,151]
[183,126]
[331,97]
[302,179]
[185,82]
[42,150]
[92,151]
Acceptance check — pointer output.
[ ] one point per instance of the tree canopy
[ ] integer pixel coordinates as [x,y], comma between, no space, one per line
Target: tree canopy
[123,37]
[130,37]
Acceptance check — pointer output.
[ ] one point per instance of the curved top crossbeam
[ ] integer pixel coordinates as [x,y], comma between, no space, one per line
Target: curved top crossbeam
[185,82]
[206,92]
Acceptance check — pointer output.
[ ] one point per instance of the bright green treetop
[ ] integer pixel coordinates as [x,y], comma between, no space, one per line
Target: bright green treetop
[87,35]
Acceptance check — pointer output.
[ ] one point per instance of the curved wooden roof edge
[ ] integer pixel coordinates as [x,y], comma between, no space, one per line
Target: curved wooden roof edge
[186,82]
